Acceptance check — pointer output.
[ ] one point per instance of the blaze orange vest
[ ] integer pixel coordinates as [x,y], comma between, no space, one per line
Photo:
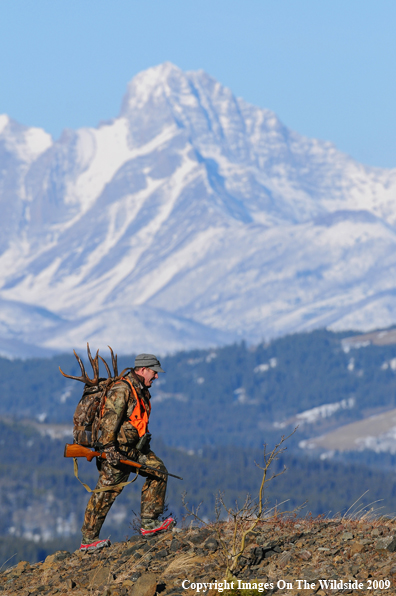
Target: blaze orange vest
[140,416]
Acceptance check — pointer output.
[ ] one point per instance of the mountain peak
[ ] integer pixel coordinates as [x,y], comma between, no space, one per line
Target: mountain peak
[25,143]
[4,121]
[149,83]
[195,211]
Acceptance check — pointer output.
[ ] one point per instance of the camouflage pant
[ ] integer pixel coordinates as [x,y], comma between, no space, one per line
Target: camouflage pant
[152,500]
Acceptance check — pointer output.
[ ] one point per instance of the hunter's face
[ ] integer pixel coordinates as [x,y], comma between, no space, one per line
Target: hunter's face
[148,375]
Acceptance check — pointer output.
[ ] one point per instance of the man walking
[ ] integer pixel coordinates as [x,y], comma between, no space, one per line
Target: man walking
[124,434]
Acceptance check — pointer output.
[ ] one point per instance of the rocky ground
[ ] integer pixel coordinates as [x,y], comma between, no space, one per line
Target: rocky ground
[289,556]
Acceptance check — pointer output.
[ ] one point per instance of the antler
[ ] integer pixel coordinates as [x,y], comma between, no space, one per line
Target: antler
[114,362]
[84,377]
[107,367]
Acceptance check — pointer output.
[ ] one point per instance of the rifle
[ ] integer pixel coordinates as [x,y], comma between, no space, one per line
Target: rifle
[81,451]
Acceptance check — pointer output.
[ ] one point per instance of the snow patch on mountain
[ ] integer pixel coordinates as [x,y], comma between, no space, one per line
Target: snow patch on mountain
[4,120]
[27,144]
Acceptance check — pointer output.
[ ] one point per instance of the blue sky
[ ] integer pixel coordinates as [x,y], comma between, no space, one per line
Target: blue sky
[326,67]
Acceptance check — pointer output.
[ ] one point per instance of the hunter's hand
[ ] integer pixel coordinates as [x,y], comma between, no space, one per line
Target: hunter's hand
[112,456]
[148,441]
[143,444]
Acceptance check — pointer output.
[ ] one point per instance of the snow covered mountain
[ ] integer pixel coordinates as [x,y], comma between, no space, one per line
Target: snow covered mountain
[192,219]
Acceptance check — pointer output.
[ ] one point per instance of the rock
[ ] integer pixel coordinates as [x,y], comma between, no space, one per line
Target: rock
[211,544]
[277,549]
[135,576]
[257,555]
[23,566]
[284,559]
[385,571]
[199,536]
[347,536]
[269,553]
[99,576]
[18,569]
[174,545]
[305,555]
[79,553]
[146,585]
[114,591]
[268,549]
[60,555]
[295,537]
[161,554]
[388,543]
[145,547]
[136,538]
[130,551]
[311,574]
[70,584]
[357,547]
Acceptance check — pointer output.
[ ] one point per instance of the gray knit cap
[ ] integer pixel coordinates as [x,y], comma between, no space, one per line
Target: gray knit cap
[148,361]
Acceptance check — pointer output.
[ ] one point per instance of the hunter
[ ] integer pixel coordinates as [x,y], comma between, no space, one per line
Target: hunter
[124,432]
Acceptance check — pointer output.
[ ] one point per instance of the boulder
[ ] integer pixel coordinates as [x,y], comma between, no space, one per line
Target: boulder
[146,585]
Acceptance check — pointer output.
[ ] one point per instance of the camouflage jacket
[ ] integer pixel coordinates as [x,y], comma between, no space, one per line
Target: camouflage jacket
[115,426]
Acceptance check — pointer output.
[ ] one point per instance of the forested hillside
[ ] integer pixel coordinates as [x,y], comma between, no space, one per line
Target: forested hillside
[228,396]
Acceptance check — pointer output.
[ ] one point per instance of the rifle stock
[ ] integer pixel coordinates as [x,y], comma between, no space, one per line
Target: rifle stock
[75,450]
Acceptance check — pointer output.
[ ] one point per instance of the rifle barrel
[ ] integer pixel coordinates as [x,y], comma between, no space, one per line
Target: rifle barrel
[75,450]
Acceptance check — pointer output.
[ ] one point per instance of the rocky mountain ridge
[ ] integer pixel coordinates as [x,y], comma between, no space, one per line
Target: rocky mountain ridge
[288,556]
[192,219]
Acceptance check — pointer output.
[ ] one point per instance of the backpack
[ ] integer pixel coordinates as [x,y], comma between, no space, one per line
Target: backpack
[87,414]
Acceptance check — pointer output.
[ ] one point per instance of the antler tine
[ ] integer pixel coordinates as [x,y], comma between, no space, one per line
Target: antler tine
[84,378]
[69,376]
[114,362]
[80,362]
[107,367]
[94,361]
[95,365]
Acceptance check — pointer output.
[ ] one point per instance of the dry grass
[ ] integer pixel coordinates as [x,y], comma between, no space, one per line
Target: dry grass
[182,563]
[121,576]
